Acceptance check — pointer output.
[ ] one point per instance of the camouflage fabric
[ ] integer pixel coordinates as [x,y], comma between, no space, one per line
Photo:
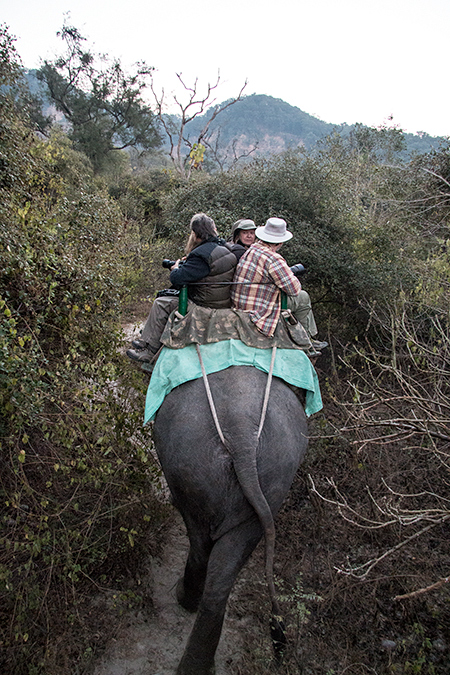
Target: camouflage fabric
[203,325]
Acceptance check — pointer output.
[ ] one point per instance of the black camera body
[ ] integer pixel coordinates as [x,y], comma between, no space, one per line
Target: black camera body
[298,270]
[167,264]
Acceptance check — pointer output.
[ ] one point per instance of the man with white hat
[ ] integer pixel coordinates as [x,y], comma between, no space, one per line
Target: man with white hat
[261,274]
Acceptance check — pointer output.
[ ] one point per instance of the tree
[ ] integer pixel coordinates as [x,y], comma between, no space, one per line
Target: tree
[15,158]
[226,156]
[175,126]
[102,104]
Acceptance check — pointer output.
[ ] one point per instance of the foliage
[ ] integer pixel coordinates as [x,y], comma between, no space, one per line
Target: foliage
[377,479]
[343,232]
[9,59]
[102,104]
[76,487]
[139,196]
[385,494]
[425,194]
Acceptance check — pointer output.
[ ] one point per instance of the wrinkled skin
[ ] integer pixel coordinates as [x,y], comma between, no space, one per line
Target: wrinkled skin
[222,526]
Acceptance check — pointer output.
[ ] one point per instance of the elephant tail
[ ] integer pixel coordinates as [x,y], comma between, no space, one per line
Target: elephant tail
[247,475]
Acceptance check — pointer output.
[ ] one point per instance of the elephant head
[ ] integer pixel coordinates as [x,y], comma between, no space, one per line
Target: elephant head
[227,493]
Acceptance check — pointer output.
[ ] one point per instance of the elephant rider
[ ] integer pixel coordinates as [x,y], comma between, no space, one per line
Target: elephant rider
[208,261]
[242,237]
[260,275]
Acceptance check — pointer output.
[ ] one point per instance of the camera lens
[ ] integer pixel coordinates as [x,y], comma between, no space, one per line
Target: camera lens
[167,264]
[298,269]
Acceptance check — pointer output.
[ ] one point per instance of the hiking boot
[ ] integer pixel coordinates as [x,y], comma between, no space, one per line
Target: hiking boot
[144,355]
[317,346]
[139,344]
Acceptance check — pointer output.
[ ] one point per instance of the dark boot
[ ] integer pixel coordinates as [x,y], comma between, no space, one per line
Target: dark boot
[137,343]
[143,355]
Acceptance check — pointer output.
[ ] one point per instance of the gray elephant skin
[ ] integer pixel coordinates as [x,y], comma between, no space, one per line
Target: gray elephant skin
[209,483]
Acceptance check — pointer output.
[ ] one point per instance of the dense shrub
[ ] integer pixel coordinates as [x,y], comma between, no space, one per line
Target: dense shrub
[342,234]
[76,486]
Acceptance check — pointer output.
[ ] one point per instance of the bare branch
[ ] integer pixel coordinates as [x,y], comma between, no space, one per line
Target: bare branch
[368,566]
[194,106]
[436,175]
[421,591]
[221,156]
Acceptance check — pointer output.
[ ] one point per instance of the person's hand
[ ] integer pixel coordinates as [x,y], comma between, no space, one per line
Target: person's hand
[176,266]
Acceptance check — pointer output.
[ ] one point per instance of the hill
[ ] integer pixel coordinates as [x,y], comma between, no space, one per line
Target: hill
[258,121]
[276,126]
[272,123]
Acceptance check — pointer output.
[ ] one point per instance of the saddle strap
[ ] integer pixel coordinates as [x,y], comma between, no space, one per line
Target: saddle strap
[211,400]
[267,392]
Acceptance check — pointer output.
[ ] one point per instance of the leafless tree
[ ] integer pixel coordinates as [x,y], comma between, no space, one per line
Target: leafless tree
[226,157]
[193,105]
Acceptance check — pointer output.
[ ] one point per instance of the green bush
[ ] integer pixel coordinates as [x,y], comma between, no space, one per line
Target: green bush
[77,483]
[343,237]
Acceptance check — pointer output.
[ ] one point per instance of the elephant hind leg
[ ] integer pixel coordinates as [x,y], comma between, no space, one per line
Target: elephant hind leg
[227,558]
[188,598]
[190,587]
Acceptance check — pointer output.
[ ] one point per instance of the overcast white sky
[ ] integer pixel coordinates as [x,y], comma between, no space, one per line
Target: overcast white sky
[340,60]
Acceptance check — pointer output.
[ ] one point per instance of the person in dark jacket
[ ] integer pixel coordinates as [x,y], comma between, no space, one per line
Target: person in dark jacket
[206,270]
[242,237]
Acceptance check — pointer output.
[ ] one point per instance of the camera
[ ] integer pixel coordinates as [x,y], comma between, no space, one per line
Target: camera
[167,264]
[298,270]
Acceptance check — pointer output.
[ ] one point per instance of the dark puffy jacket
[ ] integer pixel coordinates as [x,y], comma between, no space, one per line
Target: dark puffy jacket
[237,248]
[206,270]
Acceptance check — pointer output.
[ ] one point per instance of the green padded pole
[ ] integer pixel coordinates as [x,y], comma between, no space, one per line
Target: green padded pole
[183,301]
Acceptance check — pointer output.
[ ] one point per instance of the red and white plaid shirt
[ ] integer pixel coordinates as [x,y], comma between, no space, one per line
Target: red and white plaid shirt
[265,273]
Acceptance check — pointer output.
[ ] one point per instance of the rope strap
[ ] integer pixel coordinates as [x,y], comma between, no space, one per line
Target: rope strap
[211,400]
[267,392]
[209,395]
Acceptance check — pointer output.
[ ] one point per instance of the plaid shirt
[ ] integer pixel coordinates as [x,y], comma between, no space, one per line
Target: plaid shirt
[265,273]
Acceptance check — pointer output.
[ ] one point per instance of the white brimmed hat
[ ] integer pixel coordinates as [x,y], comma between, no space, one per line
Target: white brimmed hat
[274,231]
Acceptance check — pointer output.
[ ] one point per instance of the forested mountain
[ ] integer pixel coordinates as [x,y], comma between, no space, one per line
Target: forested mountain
[274,126]
[262,125]
[269,122]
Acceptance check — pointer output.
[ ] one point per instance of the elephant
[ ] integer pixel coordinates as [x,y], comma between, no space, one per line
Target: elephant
[227,494]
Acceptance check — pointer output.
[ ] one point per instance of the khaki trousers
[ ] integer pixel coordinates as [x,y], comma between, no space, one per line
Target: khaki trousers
[300,306]
[156,321]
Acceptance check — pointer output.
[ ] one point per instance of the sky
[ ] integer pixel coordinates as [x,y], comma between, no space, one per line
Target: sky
[343,61]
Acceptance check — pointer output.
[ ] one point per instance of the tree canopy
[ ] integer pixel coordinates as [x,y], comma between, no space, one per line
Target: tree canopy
[102,105]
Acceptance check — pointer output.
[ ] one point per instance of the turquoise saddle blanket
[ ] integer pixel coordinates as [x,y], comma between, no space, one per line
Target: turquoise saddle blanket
[176,366]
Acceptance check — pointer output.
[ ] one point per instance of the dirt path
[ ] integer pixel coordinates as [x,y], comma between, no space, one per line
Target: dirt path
[153,645]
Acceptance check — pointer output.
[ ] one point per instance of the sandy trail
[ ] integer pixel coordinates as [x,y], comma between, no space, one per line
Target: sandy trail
[152,644]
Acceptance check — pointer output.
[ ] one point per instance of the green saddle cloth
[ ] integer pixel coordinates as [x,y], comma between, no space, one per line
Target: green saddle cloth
[176,366]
